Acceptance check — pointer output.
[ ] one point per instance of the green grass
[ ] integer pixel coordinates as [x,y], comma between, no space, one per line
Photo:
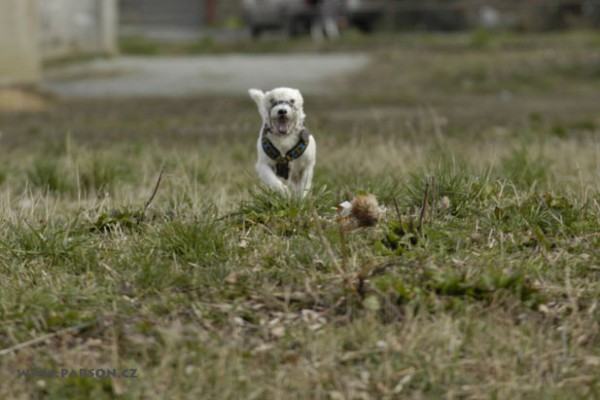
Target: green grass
[223,289]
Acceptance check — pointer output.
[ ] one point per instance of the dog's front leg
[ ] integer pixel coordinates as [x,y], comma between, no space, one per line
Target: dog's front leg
[269,177]
[302,186]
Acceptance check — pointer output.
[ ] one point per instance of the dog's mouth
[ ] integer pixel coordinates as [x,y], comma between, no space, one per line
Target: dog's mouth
[282,124]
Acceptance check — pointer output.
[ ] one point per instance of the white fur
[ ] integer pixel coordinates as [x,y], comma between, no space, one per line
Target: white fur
[301,169]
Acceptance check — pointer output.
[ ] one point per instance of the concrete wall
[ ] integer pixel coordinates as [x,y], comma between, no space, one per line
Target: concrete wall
[175,19]
[162,19]
[19,51]
[72,27]
[227,9]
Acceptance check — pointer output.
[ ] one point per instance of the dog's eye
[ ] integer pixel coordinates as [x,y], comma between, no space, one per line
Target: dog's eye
[292,101]
[272,101]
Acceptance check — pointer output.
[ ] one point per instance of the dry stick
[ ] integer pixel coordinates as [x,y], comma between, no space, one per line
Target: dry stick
[360,287]
[362,276]
[116,386]
[379,269]
[423,207]
[368,271]
[433,205]
[153,193]
[398,212]
[326,244]
[344,248]
[43,338]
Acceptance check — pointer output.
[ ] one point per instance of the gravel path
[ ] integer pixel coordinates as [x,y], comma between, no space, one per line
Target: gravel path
[130,77]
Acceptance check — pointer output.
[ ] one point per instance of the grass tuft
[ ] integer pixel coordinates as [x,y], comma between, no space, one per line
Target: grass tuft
[200,241]
[525,169]
[464,187]
[48,174]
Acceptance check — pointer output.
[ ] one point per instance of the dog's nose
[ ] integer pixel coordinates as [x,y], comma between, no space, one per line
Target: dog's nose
[282,111]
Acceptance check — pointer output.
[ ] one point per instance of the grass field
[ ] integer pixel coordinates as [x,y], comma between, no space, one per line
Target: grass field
[222,290]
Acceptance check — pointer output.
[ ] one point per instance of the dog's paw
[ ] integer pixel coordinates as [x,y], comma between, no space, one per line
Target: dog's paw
[284,190]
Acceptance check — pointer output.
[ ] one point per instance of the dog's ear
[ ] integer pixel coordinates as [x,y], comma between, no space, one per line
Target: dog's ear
[256,94]
[259,98]
[298,97]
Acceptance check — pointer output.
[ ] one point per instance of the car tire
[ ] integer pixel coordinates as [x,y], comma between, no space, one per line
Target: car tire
[365,26]
[255,32]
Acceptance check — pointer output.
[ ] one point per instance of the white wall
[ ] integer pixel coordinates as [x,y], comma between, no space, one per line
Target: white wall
[19,51]
[72,27]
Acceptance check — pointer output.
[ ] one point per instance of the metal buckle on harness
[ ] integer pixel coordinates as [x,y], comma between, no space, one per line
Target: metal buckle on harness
[282,167]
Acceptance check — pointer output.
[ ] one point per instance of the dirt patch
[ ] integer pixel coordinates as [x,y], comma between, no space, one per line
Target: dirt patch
[18,100]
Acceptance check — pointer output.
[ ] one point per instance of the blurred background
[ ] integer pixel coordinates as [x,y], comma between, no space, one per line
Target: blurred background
[124,73]
[34,33]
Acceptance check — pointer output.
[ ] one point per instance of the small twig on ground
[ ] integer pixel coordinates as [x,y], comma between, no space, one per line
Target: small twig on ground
[362,276]
[398,212]
[43,338]
[381,268]
[298,297]
[344,247]
[230,215]
[117,386]
[424,207]
[326,244]
[360,288]
[366,272]
[109,269]
[153,194]
[432,212]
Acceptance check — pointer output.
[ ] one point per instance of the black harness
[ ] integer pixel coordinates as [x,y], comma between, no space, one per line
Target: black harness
[282,162]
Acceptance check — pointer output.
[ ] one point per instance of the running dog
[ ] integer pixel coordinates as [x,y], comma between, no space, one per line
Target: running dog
[286,150]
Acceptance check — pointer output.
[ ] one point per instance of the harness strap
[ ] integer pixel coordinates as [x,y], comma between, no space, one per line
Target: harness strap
[282,162]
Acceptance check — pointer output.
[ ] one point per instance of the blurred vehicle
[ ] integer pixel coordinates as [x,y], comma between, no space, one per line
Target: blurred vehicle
[435,15]
[298,16]
[292,16]
[363,14]
[560,14]
[587,10]
[591,11]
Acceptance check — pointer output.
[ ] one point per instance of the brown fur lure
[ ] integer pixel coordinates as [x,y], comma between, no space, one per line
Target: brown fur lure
[363,211]
[366,210]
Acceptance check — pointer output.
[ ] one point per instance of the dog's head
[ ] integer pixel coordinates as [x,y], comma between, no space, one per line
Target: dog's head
[281,109]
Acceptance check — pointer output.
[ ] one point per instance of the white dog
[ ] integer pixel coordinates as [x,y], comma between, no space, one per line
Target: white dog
[286,150]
